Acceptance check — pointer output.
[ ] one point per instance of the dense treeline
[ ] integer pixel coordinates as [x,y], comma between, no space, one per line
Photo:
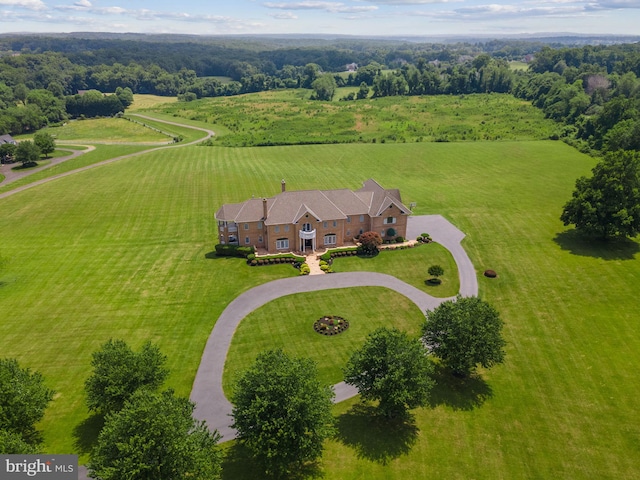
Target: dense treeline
[592,91]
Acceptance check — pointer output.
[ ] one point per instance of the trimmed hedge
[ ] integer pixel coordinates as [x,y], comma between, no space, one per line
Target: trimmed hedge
[224,250]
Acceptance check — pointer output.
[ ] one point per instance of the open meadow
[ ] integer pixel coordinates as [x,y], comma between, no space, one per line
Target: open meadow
[286,117]
[120,251]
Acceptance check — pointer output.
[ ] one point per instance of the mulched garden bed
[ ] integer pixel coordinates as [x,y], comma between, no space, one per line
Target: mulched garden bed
[330,325]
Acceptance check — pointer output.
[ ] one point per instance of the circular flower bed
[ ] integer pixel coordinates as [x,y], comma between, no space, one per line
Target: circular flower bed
[330,325]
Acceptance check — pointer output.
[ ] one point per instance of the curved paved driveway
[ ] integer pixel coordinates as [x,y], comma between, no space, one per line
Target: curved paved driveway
[211,403]
[209,134]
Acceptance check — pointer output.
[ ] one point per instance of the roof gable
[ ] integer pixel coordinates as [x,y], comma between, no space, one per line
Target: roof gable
[289,207]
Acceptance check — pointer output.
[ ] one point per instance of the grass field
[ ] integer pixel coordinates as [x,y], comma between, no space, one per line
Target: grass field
[120,251]
[289,117]
[105,130]
[409,266]
[141,102]
[275,324]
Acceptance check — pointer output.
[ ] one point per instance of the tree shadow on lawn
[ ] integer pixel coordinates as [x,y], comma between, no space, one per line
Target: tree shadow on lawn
[86,433]
[374,436]
[589,246]
[239,463]
[458,393]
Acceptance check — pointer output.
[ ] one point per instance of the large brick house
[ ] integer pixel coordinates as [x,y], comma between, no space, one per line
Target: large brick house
[307,220]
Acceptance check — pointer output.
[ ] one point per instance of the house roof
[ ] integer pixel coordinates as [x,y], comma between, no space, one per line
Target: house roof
[7,139]
[321,205]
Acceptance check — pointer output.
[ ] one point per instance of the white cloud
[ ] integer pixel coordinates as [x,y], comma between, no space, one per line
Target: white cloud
[284,16]
[408,2]
[615,4]
[332,7]
[83,3]
[29,4]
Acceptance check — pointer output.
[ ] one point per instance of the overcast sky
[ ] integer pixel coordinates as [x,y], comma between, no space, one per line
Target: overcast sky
[355,17]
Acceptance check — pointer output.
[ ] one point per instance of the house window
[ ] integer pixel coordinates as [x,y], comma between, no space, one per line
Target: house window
[286,228]
[277,229]
[348,219]
[361,218]
[360,232]
[324,224]
[247,240]
[330,239]
[282,243]
[389,220]
[306,227]
[335,223]
[260,239]
[348,233]
[260,225]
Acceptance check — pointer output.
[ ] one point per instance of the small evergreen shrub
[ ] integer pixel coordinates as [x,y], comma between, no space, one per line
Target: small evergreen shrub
[224,250]
[490,273]
[399,239]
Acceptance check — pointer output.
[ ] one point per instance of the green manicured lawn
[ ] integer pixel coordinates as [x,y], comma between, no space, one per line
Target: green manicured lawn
[409,265]
[102,152]
[287,323]
[105,130]
[119,251]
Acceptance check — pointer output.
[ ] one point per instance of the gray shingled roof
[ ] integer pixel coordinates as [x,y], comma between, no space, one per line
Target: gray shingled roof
[322,205]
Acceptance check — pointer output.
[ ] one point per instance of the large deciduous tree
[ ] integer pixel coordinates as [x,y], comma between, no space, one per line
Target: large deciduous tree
[27,153]
[465,333]
[608,203]
[282,412]
[155,437]
[23,400]
[324,87]
[392,368]
[118,372]
[7,152]
[45,143]
[13,444]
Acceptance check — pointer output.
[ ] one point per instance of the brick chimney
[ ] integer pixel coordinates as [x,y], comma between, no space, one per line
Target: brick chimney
[284,185]
[264,209]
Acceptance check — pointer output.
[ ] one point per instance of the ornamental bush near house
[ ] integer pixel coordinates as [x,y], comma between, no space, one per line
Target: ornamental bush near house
[399,239]
[224,250]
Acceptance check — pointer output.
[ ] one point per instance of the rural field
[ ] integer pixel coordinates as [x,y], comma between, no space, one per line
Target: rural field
[121,251]
[289,117]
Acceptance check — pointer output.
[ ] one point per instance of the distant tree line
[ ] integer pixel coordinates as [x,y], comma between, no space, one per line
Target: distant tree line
[593,92]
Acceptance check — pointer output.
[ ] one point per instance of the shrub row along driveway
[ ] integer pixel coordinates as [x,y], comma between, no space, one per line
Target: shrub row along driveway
[211,403]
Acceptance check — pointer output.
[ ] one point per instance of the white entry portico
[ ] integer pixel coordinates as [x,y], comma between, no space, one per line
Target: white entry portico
[307,237]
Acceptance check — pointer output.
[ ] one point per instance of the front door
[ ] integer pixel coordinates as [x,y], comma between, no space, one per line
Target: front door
[308,244]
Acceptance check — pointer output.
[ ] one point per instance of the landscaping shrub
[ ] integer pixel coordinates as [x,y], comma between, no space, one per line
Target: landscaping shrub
[490,273]
[399,239]
[251,256]
[326,256]
[433,281]
[223,250]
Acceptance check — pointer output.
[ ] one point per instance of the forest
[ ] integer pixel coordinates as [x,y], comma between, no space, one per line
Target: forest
[593,92]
